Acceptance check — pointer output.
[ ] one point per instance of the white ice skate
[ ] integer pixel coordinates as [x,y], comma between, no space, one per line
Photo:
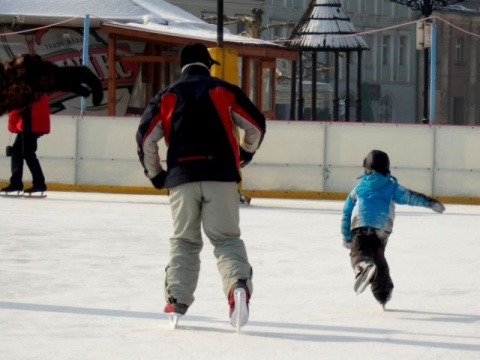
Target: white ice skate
[239,315]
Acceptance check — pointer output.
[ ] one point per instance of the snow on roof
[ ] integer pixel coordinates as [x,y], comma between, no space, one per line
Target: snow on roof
[43,11]
[325,25]
[192,31]
[155,16]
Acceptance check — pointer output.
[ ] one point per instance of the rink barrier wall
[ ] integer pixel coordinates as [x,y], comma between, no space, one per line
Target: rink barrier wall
[298,159]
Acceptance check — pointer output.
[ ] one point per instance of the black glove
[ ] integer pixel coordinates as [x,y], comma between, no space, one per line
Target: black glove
[245,157]
[159,180]
[79,80]
[347,244]
[436,205]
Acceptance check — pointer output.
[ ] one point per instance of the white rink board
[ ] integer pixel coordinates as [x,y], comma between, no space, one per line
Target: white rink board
[295,156]
[457,148]
[292,143]
[457,161]
[280,178]
[347,144]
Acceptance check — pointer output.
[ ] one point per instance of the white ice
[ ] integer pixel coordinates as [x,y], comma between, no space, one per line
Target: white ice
[81,278]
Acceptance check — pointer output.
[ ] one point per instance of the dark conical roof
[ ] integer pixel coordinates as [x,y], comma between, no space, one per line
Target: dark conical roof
[321,27]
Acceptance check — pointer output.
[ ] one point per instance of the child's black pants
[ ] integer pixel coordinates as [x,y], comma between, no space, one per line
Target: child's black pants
[369,244]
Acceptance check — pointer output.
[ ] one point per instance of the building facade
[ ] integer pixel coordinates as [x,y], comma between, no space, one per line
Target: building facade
[393,69]
[390,66]
[457,90]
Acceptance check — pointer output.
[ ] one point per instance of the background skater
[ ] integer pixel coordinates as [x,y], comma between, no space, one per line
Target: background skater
[29,124]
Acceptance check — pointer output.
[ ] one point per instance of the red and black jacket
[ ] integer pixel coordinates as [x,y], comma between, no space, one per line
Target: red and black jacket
[34,118]
[197,116]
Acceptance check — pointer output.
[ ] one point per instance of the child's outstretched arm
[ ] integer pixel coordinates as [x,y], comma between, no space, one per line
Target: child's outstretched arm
[402,195]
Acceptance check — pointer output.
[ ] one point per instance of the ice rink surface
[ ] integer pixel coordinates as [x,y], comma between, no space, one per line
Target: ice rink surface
[81,278]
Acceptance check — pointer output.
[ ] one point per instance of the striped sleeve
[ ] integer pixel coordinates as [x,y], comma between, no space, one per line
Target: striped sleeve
[248,118]
[150,131]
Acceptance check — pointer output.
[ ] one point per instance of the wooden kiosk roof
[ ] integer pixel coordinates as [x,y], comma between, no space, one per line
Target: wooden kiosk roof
[175,36]
[163,34]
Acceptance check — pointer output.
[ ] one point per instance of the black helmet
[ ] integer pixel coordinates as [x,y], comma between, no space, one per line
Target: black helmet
[196,52]
[378,161]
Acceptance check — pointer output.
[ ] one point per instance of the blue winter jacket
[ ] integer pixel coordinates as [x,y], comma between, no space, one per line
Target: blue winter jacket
[372,203]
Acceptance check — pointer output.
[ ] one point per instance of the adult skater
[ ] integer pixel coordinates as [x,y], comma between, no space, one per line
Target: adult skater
[367,222]
[29,124]
[197,116]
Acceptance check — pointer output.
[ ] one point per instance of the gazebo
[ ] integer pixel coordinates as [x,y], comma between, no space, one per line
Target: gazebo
[326,27]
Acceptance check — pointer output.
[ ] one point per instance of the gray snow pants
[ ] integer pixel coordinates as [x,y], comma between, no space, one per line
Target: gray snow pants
[215,206]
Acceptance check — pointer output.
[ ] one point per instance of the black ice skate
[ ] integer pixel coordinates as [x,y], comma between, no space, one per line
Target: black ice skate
[35,191]
[383,297]
[364,273]
[238,299]
[12,190]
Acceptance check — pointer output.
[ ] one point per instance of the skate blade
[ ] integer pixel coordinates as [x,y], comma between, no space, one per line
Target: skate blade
[10,195]
[364,279]
[173,319]
[34,196]
[239,316]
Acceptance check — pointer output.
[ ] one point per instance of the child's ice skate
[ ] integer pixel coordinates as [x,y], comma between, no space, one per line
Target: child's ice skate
[364,273]
[383,297]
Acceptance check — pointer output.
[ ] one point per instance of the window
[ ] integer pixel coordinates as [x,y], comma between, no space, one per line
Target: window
[459,50]
[370,7]
[477,120]
[252,94]
[352,6]
[297,4]
[368,54]
[385,109]
[267,86]
[369,59]
[402,50]
[458,110]
[278,32]
[387,8]
[386,39]
[241,27]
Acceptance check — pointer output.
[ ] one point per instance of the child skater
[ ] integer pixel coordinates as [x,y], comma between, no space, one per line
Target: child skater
[367,222]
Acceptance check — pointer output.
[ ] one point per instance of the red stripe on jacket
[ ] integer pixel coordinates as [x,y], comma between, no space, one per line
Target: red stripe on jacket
[222,99]
[164,115]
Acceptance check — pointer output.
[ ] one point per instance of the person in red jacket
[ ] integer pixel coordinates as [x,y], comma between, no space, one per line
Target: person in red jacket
[29,124]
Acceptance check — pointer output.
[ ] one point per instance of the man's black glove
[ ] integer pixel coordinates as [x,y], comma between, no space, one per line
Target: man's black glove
[245,157]
[436,205]
[159,180]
